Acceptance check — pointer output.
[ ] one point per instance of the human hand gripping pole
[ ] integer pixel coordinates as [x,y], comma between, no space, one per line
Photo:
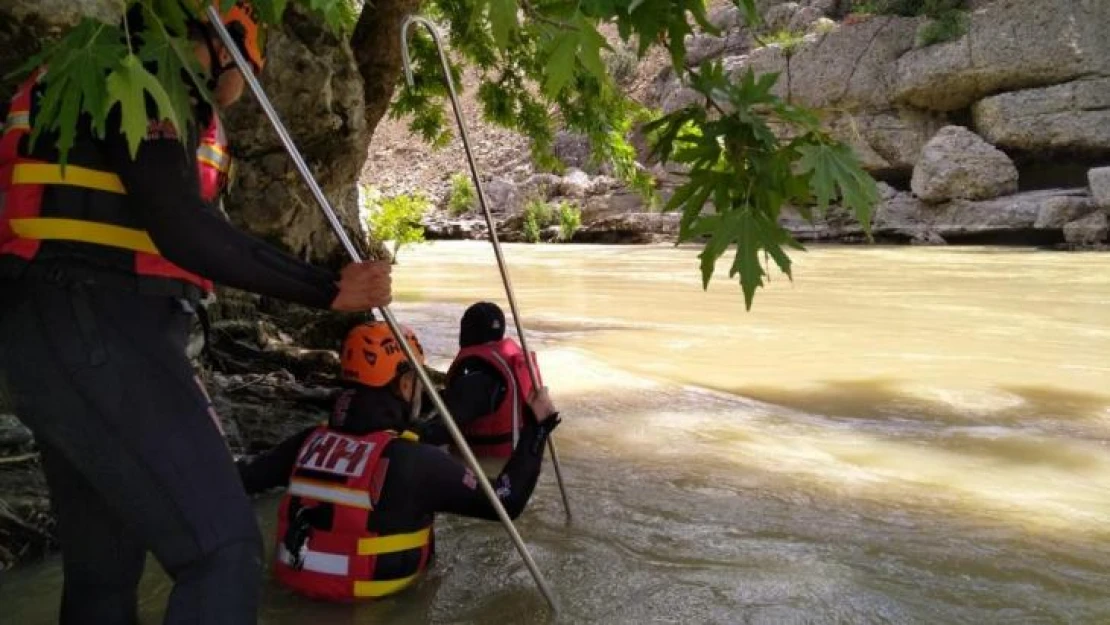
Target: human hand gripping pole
[387,315]
[532,373]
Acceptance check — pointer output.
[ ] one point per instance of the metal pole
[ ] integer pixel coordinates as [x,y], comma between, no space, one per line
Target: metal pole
[302,167]
[488,217]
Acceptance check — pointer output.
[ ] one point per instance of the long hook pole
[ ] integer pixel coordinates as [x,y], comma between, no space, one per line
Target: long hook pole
[532,372]
[391,321]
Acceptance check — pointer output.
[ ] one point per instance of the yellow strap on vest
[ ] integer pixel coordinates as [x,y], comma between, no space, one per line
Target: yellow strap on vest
[47,229]
[18,121]
[383,588]
[397,542]
[41,173]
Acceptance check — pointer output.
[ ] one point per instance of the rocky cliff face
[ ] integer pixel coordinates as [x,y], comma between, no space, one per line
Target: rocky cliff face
[985,138]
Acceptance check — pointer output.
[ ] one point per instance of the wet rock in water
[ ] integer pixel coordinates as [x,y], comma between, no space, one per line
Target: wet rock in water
[958,164]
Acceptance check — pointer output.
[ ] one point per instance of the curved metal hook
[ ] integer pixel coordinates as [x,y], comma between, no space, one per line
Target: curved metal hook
[501,265]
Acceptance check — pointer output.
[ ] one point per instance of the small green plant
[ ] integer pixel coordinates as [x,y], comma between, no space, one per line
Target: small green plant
[395,219]
[948,26]
[788,40]
[570,220]
[948,18]
[538,214]
[463,197]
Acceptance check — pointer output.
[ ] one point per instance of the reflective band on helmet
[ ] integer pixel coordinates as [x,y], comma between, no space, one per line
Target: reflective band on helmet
[394,543]
[42,173]
[331,494]
[48,229]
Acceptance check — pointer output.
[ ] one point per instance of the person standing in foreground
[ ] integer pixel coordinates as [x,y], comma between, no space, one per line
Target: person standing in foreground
[356,521]
[102,265]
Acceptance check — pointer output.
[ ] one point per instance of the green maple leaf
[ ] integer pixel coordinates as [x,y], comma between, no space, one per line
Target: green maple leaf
[835,171]
[502,20]
[560,65]
[127,87]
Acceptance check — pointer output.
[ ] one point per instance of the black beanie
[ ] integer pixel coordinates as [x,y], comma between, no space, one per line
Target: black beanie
[481,323]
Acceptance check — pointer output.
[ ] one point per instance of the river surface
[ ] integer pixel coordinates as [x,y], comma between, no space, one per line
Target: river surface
[899,435]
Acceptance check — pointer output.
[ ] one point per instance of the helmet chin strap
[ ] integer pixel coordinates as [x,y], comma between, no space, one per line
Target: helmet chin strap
[415,401]
[215,69]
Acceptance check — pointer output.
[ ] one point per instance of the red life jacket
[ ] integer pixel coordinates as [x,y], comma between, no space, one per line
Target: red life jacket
[495,435]
[327,546]
[83,212]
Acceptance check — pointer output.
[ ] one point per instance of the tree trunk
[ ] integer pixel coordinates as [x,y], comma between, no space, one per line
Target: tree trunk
[377,48]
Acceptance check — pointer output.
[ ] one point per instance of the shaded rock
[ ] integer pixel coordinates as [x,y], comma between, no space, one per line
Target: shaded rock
[886,141]
[315,86]
[779,17]
[440,226]
[958,164]
[1090,231]
[1065,207]
[927,237]
[630,228]
[503,196]
[1071,117]
[1001,215]
[803,19]
[703,47]
[1011,44]
[680,97]
[1099,180]
[572,149]
[575,184]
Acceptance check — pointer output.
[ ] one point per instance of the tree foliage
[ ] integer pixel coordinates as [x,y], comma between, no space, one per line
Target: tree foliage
[747,153]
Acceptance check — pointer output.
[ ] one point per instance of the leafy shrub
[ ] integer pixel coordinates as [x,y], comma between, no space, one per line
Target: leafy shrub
[463,197]
[397,218]
[570,220]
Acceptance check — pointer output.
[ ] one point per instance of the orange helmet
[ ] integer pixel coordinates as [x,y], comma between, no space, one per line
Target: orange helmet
[371,355]
[246,29]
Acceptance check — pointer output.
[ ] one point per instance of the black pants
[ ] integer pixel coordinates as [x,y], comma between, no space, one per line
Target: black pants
[132,455]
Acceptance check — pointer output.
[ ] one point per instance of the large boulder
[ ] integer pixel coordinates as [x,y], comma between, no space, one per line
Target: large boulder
[1091,231]
[1011,44]
[1099,181]
[886,142]
[958,164]
[852,67]
[1073,117]
[314,84]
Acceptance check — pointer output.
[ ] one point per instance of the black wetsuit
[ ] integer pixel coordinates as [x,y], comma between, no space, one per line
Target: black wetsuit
[475,391]
[422,479]
[98,372]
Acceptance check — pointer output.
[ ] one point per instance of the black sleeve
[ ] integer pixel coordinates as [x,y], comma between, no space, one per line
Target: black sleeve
[163,180]
[445,484]
[468,397]
[272,469]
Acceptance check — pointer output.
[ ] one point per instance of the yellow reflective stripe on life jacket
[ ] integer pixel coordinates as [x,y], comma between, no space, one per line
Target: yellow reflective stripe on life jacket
[323,491]
[50,229]
[384,587]
[18,121]
[213,155]
[393,543]
[42,173]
